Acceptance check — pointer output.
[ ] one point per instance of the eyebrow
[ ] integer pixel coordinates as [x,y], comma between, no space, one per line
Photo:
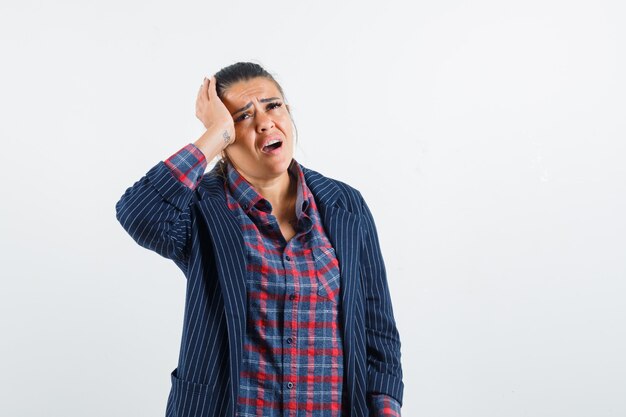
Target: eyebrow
[247,106]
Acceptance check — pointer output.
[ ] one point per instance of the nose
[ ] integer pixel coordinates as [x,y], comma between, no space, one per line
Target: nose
[264,122]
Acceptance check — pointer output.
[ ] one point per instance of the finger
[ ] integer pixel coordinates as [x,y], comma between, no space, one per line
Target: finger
[209,87]
[202,91]
[199,103]
[212,91]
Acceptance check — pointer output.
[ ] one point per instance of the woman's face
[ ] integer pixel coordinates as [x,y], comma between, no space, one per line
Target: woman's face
[259,114]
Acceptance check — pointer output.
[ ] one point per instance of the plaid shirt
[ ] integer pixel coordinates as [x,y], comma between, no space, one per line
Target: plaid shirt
[293,351]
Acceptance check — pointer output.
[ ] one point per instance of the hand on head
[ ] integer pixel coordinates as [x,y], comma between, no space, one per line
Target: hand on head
[212,112]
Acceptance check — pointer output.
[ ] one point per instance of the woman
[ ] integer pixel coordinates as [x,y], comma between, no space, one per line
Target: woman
[287,308]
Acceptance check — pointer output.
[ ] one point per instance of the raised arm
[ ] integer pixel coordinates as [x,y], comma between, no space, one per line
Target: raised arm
[155,210]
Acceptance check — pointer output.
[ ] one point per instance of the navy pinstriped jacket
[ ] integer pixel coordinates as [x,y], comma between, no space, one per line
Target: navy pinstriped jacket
[196,230]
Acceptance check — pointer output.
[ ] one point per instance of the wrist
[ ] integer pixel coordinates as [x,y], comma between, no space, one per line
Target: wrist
[213,140]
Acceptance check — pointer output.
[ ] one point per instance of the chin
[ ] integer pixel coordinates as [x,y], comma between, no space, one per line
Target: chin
[280,166]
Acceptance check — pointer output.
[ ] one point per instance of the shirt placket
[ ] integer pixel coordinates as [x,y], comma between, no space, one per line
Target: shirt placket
[290,339]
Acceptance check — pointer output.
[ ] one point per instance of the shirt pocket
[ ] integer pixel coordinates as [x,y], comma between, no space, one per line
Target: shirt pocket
[327,273]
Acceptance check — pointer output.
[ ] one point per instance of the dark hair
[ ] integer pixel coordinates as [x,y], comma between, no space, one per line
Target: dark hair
[241,71]
[244,71]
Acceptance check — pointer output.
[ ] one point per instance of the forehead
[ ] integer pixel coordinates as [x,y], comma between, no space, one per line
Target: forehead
[254,89]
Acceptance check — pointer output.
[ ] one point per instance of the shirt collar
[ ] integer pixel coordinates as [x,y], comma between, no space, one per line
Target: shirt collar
[247,197]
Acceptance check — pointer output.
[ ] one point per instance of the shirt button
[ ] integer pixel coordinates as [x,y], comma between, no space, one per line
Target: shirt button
[289,340]
[289,385]
[292,296]
[288,257]
[245,207]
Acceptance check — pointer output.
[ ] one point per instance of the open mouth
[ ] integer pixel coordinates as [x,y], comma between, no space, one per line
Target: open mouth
[274,146]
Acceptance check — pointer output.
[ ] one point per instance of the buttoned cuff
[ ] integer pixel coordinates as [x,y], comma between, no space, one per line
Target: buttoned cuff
[187,165]
[382,405]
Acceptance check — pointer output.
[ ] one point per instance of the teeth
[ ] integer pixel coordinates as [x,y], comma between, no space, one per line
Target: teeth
[271,142]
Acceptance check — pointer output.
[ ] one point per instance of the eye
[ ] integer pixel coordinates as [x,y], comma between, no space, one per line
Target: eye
[274,105]
[241,117]
[270,106]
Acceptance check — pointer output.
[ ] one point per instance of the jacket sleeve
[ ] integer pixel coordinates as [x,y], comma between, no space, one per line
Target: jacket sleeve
[384,370]
[155,211]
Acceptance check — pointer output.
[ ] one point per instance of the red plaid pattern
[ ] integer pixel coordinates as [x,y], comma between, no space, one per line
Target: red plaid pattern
[187,165]
[382,405]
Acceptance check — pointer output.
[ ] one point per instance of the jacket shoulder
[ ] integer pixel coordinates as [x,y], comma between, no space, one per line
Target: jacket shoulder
[320,185]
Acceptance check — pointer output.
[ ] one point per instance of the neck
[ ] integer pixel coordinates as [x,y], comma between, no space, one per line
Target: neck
[279,191]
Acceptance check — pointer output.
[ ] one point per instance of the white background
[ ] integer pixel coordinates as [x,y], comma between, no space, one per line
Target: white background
[487,137]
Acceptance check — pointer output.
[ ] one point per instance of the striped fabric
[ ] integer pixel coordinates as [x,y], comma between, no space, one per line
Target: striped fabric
[235,353]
